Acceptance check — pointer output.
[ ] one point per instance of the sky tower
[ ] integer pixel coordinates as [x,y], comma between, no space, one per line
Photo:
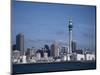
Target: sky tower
[70,26]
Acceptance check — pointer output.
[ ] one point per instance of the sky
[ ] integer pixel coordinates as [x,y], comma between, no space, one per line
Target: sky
[48,22]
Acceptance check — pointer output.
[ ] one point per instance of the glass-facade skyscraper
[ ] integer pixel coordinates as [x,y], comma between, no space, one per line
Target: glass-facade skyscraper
[20,43]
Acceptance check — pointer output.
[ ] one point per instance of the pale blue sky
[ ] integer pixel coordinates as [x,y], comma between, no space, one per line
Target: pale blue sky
[43,21]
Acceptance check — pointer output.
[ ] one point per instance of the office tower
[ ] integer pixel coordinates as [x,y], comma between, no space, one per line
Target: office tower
[47,49]
[55,50]
[70,26]
[73,44]
[64,49]
[20,43]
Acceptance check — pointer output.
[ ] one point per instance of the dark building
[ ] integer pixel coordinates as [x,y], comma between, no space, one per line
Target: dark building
[48,53]
[20,43]
[64,49]
[47,49]
[28,52]
[73,46]
[79,51]
[14,47]
[52,50]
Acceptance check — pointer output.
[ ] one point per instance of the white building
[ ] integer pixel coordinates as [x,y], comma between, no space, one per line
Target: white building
[80,57]
[33,59]
[63,58]
[58,60]
[45,55]
[68,57]
[38,56]
[16,56]
[90,56]
[24,59]
[75,57]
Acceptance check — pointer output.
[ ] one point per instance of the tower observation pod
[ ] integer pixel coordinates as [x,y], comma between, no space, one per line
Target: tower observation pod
[70,26]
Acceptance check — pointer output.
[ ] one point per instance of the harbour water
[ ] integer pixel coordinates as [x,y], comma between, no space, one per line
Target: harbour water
[52,67]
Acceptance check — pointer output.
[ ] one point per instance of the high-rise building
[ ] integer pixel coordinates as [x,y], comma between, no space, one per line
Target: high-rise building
[74,46]
[55,50]
[64,49]
[47,49]
[20,43]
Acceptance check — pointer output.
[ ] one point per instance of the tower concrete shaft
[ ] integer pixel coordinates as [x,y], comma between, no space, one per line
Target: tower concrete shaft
[70,40]
[70,36]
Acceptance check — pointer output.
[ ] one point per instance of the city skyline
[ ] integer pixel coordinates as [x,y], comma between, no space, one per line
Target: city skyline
[45,22]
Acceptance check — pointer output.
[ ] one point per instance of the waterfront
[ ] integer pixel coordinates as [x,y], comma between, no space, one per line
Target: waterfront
[53,67]
[50,37]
